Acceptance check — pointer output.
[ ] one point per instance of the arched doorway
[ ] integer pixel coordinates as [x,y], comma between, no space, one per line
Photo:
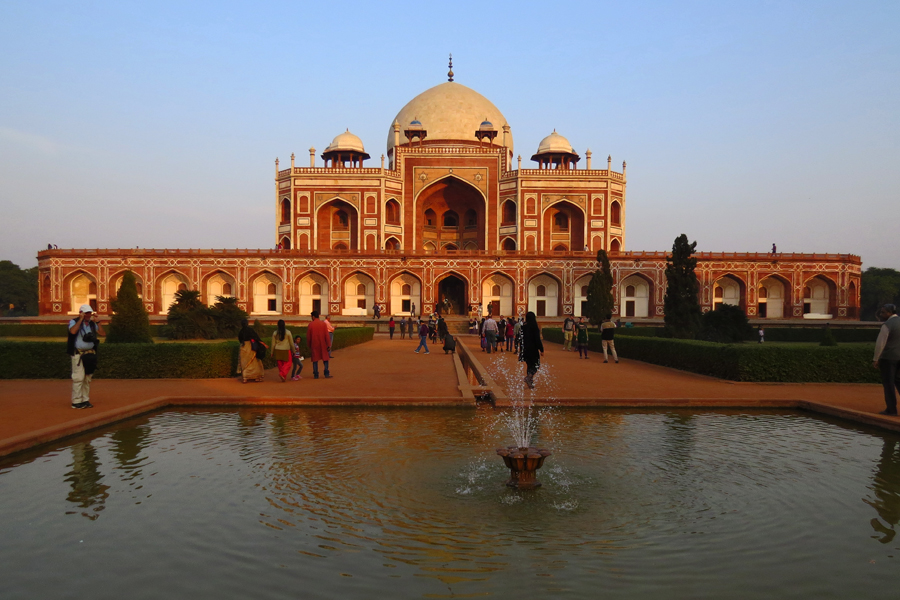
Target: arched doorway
[772,298]
[580,292]
[451,298]
[169,285]
[337,226]
[497,292]
[450,211]
[543,296]
[563,227]
[359,295]
[818,295]
[313,294]
[82,290]
[406,295]
[634,297]
[728,290]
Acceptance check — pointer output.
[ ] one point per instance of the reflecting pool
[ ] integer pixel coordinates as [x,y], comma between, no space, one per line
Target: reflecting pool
[411,503]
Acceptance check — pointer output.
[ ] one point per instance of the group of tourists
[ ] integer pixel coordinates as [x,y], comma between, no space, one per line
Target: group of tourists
[577,332]
[498,335]
[286,350]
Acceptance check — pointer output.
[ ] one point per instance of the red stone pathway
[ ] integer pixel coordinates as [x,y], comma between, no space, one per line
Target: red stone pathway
[385,372]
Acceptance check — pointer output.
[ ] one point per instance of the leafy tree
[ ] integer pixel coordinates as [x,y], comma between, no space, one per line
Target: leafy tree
[189,318]
[130,323]
[18,290]
[682,302]
[599,296]
[227,315]
[727,324]
[879,287]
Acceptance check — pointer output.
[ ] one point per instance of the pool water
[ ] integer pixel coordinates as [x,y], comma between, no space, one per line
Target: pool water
[410,503]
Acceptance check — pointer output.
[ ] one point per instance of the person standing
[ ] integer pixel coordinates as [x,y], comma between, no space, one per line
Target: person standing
[441,328]
[412,313]
[531,348]
[298,360]
[762,334]
[330,329]
[282,349]
[251,367]
[887,356]
[568,331]
[376,310]
[581,337]
[501,334]
[81,345]
[517,334]
[391,326]
[490,333]
[423,337]
[318,341]
[510,334]
[607,333]
[403,328]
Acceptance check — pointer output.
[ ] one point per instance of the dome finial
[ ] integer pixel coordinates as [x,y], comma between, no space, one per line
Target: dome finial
[450,73]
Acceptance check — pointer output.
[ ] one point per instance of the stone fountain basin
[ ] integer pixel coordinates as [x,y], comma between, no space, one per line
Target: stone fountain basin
[522,464]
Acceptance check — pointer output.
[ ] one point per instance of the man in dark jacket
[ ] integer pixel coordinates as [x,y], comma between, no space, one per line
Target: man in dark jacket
[887,356]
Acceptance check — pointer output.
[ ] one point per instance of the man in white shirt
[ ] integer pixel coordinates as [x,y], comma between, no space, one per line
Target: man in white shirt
[82,347]
[887,356]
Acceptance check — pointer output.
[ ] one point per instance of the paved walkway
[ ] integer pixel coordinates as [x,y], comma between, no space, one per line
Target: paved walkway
[387,372]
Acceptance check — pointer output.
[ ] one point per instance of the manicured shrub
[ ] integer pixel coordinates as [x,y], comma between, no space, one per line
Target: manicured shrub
[726,324]
[188,318]
[174,360]
[746,362]
[129,323]
[57,330]
[681,304]
[828,338]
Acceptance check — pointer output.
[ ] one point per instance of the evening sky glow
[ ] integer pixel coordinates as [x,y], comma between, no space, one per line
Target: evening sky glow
[743,124]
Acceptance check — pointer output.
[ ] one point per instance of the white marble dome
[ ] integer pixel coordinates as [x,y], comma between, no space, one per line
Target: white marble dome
[346,142]
[450,111]
[555,144]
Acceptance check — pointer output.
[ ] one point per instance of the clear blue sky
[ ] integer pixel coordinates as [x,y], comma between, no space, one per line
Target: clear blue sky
[743,123]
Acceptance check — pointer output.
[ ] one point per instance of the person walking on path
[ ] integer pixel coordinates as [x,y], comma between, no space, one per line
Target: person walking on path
[81,345]
[376,310]
[282,349]
[501,334]
[887,356]
[391,326]
[423,337]
[412,313]
[510,334]
[251,368]
[490,333]
[531,348]
[330,329]
[517,334]
[298,360]
[762,334]
[581,337]
[568,331]
[607,333]
[318,341]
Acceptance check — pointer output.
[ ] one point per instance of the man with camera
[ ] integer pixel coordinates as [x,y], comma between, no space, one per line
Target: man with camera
[82,347]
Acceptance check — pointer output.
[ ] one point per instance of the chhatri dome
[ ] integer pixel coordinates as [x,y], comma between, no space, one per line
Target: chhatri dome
[450,111]
[556,144]
[346,142]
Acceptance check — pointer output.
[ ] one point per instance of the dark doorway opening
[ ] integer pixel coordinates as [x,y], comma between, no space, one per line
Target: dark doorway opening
[541,308]
[451,296]
[317,305]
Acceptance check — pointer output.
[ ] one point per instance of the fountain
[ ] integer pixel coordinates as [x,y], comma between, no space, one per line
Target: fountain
[523,464]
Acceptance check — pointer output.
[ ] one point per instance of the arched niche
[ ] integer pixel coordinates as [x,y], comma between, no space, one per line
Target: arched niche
[312,294]
[456,211]
[563,227]
[266,289]
[81,288]
[337,226]
[544,296]
[819,294]
[218,284]
[579,293]
[773,298]
[359,295]
[497,292]
[729,290]
[406,294]
[117,283]
[635,292]
[168,285]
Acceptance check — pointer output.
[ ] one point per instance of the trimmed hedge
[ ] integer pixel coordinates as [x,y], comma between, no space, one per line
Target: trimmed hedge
[842,335]
[174,360]
[801,363]
[58,330]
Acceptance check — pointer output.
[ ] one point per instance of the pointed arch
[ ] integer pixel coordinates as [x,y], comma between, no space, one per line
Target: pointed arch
[636,295]
[545,295]
[337,222]
[218,283]
[773,297]
[406,294]
[731,289]
[312,292]
[498,291]
[358,301]
[80,287]
[167,285]
[267,290]
[462,204]
[819,297]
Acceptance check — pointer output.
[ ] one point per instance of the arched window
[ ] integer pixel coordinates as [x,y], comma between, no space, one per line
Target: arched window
[392,212]
[560,248]
[509,244]
[316,289]
[471,219]
[614,247]
[303,205]
[430,218]
[428,247]
[451,247]
[406,289]
[391,244]
[719,292]
[361,289]
[140,288]
[495,290]
[509,213]
[763,292]
[286,243]
[286,211]
[615,214]
[629,290]
[560,222]
[341,221]
[451,219]
[271,289]
[181,287]
[339,246]
[530,206]
[541,290]
[584,290]
[807,293]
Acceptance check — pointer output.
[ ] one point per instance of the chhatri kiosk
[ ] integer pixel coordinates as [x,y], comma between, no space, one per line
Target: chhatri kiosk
[450,218]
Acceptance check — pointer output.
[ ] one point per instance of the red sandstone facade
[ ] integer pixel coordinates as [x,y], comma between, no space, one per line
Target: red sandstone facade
[448,222]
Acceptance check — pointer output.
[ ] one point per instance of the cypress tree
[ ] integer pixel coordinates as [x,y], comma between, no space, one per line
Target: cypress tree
[682,301]
[130,323]
[599,297]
